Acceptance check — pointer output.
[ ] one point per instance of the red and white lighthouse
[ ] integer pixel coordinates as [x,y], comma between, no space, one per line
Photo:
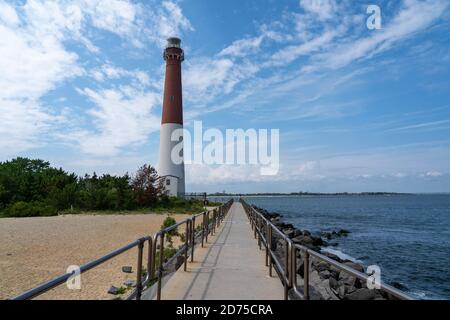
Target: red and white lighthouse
[172,170]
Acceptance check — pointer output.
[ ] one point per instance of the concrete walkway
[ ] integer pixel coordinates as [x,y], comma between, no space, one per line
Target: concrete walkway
[230,267]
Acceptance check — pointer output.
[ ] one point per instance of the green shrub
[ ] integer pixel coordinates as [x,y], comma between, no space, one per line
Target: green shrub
[22,209]
[169,252]
[168,222]
[32,187]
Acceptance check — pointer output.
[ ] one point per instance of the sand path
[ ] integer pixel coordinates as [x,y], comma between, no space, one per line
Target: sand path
[34,250]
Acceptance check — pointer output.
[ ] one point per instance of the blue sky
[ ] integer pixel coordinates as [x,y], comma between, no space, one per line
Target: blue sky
[358,109]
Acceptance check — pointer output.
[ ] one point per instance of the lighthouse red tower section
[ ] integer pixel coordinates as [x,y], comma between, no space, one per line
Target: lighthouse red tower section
[173,96]
[171,164]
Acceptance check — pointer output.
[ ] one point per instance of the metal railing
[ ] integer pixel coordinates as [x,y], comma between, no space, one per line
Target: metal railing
[210,221]
[287,271]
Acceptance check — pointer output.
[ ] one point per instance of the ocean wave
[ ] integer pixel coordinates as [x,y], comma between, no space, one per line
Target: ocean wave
[341,255]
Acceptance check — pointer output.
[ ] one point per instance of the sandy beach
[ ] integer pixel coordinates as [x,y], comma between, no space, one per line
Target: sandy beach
[34,250]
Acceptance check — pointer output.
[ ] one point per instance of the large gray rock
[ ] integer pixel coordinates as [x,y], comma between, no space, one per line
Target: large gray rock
[333,283]
[347,279]
[321,286]
[303,240]
[297,233]
[341,292]
[329,291]
[113,290]
[129,283]
[317,241]
[355,266]
[363,294]
[335,272]
[324,289]
[332,256]
[300,267]
[127,269]
[321,266]
[289,232]
[325,274]
[343,233]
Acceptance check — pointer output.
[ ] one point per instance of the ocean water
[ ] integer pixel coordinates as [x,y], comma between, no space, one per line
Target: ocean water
[407,236]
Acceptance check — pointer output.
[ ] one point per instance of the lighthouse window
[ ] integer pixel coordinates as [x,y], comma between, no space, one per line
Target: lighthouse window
[172,98]
[167,182]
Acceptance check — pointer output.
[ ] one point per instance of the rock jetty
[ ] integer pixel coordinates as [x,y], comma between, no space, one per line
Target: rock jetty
[326,281]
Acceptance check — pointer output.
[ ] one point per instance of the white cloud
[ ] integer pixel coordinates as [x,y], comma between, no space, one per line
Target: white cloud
[168,21]
[413,17]
[20,122]
[382,164]
[291,53]
[324,45]
[30,68]
[122,118]
[399,175]
[35,59]
[205,78]
[424,125]
[116,16]
[433,174]
[8,14]
[306,168]
[323,9]
[243,47]
[111,72]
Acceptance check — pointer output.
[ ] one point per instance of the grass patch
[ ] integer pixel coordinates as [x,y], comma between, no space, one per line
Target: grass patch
[168,206]
[122,290]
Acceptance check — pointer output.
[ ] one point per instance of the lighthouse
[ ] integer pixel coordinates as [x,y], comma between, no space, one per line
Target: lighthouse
[172,170]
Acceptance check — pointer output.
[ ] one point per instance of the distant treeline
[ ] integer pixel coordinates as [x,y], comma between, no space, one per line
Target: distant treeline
[220,194]
[34,188]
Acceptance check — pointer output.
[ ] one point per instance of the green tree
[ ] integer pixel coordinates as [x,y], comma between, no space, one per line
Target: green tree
[147,186]
[32,187]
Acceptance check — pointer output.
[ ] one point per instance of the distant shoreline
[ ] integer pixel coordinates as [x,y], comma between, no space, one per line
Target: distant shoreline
[296,194]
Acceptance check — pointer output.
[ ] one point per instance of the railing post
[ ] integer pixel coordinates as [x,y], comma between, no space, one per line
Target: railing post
[153,262]
[252,219]
[161,260]
[259,233]
[286,269]
[219,216]
[150,259]
[306,275]
[294,267]
[267,245]
[203,229]
[254,224]
[207,227]
[186,243]
[193,239]
[270,251]
[213,222]
[139,270]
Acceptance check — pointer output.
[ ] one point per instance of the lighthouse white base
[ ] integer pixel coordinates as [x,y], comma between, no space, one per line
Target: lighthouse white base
[167,168]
